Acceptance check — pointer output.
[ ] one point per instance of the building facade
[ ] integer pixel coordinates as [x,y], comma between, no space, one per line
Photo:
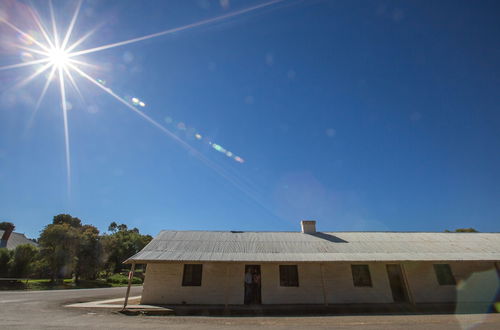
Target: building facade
[309,267]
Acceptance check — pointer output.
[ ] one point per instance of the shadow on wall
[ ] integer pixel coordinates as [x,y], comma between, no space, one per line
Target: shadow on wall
[328,237]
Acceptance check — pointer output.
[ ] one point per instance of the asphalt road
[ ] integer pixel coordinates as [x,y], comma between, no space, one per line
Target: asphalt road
[45,310]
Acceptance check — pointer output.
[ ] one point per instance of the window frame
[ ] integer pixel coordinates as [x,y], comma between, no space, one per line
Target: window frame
[192,281]
[290,271]
[444,274]
[357,280]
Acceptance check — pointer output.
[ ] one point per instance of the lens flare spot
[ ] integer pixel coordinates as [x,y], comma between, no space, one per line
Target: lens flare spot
[92,109]
[198,136]
[142,104]
[330,132]
[218,147]
[25,57]
[224,4]
[135,100]
[239,159]
[128,57]
[26,39]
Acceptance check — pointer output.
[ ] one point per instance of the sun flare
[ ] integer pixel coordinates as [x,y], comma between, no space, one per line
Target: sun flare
[57,54]
[58,57]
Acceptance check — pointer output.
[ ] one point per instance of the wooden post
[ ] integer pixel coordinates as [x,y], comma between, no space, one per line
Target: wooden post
[323,284]
[130,276]
[407,284]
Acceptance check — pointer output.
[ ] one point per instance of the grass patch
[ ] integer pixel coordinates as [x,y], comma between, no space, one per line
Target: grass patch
[46,284]
[120,279]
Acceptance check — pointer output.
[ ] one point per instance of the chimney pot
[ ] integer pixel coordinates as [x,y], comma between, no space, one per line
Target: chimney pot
[308,226]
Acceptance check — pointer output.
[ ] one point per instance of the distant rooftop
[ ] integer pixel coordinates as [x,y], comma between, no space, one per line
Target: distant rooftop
[14,240]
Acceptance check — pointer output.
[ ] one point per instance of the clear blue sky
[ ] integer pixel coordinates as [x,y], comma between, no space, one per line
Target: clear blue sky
[362,115]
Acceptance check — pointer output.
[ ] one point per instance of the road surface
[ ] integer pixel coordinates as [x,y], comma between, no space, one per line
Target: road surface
[45,310]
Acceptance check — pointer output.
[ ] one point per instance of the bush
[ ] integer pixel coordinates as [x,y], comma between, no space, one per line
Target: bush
[122,279]
[5,258]
[23,257]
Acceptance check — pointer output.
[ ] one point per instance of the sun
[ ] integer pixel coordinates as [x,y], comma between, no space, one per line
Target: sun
[58,57]
[58,54]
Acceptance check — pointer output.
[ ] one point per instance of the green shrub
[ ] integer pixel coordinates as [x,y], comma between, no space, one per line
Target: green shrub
[5,258]
[22,261]
[122,279]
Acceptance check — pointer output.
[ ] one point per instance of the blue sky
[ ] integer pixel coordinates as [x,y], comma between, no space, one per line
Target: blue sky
[362,115]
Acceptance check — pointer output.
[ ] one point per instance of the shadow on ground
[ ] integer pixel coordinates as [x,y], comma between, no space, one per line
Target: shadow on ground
[311,310]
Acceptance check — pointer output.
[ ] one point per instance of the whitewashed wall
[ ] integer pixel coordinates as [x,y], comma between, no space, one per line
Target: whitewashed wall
[163,284]
[425,287]
[224,283]
[309,290]
[341,289]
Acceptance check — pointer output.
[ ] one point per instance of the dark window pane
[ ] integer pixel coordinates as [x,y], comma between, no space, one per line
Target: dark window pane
[361,275]
[192,275]
[444,274]
[289,275]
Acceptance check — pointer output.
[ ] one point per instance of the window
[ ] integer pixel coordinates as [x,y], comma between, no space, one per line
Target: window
[289,275]
[192,275]
[361,275]
[444,274]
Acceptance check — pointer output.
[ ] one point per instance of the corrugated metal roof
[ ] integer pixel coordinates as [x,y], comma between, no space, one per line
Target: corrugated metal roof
[299,247]
[16,239]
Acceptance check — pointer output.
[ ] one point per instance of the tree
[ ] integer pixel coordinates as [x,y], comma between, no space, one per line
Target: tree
[58,245]
[23,257]
[113,227]
[68,247]
[466,230]
[62,219]
[121,244]
[87,261]
[5,225]
[462,230]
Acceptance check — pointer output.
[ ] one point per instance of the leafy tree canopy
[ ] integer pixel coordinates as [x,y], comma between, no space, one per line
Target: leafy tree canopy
[88,252]
[5,256]
[58,243]
[68,247]
[121,244]
[23,257]
[61,219]
[5,225]
[462,230]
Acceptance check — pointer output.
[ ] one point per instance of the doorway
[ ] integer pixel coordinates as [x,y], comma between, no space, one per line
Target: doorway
[397,283]
[252,285]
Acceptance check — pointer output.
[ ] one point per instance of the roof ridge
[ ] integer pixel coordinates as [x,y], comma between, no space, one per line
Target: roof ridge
[298,232]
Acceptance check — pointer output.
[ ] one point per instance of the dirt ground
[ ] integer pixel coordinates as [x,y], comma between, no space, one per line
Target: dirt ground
[45,310]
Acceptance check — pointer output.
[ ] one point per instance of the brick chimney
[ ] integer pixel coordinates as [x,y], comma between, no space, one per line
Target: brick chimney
[308,226]
[5,236]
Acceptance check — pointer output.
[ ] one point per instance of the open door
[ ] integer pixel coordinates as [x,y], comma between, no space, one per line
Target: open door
[252,285]
[397,283]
